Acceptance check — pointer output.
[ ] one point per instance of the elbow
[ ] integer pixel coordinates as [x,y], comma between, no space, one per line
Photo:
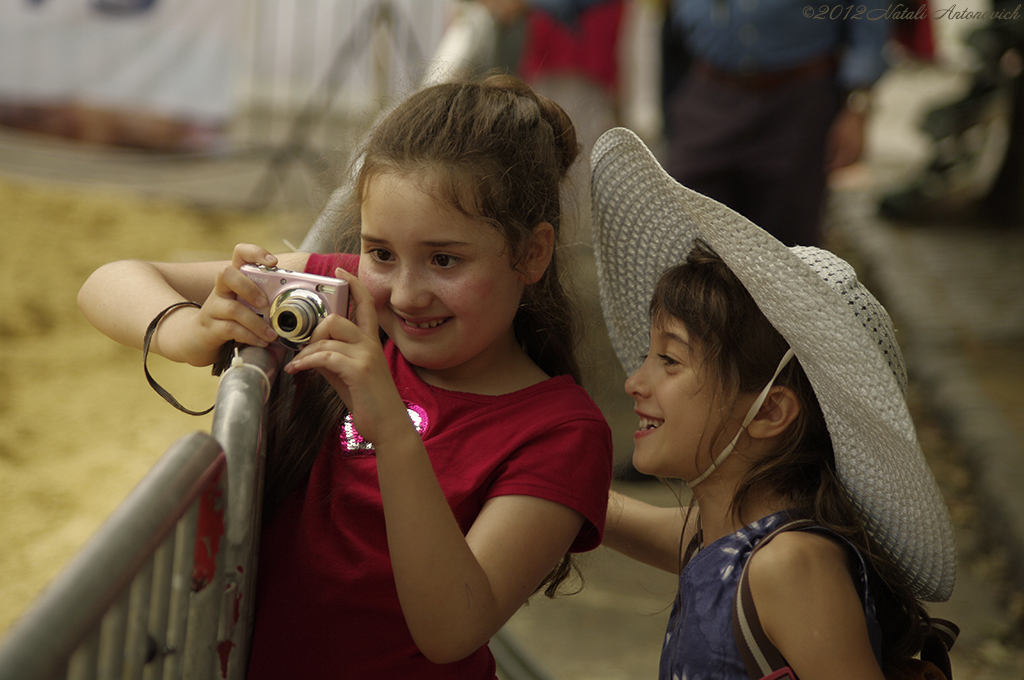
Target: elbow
[441,657]
[446,652]
[444,649]
[92,288]
[84,295]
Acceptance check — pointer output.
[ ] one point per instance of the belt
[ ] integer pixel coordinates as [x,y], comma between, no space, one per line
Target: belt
[767,80]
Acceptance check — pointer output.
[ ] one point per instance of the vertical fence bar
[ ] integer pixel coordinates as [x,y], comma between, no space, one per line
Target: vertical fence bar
[207,585]
[82,665]
[160,606]
[181,586]
[136,643]
[112,634]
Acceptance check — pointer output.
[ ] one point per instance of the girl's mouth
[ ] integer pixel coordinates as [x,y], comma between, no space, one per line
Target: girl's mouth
[649,424]
[424,325]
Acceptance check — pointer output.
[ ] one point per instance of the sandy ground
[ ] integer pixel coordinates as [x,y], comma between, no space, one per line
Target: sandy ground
[79,425]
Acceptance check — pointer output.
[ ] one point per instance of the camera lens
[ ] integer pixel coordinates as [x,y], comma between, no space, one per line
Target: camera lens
[287,321]
[295,313]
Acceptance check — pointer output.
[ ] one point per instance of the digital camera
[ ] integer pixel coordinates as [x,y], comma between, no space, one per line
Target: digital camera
[298,301]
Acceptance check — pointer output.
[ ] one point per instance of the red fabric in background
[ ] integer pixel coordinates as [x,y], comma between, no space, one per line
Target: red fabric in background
[590,48]
[916,35]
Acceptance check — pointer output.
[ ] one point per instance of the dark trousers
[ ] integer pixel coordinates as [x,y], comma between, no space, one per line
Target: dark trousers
[758,150]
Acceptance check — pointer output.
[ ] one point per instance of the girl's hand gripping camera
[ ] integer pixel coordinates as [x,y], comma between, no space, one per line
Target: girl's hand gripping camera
[298,301]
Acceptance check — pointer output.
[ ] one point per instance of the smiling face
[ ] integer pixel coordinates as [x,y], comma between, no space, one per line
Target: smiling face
[679,406]
[443,283]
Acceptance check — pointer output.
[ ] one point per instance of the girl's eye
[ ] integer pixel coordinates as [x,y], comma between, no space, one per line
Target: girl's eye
[381,255]
[445,261]
[667,360]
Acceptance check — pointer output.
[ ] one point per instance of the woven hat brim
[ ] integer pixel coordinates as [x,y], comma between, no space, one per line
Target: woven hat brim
[645,222]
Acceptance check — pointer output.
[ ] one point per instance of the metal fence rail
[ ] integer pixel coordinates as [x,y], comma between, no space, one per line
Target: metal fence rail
[99,602]
[159,590]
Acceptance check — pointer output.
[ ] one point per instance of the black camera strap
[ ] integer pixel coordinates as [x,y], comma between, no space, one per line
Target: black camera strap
[145,355]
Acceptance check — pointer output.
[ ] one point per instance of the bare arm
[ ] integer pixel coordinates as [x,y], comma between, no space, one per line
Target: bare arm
[121,298]
[805,596]
[647,533]
[457,591]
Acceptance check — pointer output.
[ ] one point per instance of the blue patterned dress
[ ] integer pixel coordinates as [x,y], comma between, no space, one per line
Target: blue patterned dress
[699,643]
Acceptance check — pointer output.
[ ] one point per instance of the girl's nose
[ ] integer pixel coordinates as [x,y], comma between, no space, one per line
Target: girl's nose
[409,291]
[635,386]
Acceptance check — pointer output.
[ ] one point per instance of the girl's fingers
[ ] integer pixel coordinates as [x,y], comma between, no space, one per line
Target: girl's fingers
[229,319]
[334,341]
[247,253]
[237,298]
[332,334]
[363,312]
[224,330]
[328,356]
[233,283]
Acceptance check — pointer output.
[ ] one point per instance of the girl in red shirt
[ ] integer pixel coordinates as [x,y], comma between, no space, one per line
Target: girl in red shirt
[444,472]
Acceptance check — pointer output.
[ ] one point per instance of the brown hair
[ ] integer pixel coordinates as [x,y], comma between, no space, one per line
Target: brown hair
[740,351]
[496,151]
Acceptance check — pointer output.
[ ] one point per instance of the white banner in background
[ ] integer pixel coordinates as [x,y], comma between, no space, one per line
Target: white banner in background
[174,58]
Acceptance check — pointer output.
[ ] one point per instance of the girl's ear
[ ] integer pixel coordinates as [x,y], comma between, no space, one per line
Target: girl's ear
[537,254]
[777,412]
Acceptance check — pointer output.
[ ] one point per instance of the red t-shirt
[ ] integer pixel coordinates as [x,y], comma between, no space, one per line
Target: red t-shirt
[326,600]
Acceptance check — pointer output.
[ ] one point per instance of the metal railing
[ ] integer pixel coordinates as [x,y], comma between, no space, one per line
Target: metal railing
[160,590]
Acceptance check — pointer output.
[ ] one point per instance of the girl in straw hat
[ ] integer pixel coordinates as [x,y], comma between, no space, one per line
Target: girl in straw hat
[768,379]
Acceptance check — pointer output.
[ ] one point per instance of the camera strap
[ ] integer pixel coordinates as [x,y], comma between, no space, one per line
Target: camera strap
[150,330]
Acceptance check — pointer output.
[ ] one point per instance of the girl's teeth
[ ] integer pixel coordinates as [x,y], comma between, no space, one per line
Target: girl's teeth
[429,324]
[646,424]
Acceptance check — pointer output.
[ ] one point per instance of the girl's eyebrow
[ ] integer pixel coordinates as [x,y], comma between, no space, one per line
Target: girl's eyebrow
[429,244]
[446,244]
[669,335]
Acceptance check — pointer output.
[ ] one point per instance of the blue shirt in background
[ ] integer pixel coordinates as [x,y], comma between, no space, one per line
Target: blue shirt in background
[749,36]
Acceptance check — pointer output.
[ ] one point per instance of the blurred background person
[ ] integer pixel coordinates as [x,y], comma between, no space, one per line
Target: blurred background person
[762,99]
[774,97]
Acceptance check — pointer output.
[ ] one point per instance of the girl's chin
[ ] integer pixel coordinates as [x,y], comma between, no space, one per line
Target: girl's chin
[645,465]
[641,466]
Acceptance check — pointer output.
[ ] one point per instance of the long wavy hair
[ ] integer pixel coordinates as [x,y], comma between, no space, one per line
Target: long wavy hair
[496,151]
[740,351]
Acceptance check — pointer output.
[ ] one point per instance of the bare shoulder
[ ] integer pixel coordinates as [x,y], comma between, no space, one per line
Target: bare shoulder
[803,588]
[797,565]
[792,556]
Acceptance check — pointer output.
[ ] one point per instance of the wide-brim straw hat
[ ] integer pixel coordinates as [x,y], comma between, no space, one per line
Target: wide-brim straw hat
[645,222]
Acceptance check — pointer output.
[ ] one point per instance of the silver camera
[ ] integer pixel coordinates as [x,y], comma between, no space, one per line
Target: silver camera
[298,301]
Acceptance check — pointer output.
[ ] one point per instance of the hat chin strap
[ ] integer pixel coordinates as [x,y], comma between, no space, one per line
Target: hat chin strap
[754,408]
